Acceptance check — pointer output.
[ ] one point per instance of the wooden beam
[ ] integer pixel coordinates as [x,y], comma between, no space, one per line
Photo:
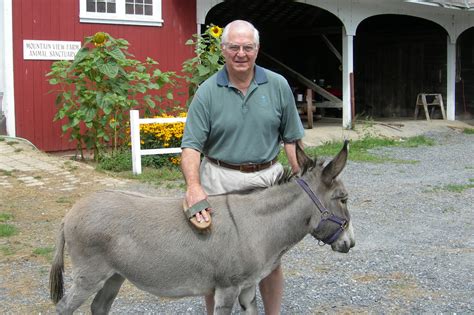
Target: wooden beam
[332,48]
[303,80]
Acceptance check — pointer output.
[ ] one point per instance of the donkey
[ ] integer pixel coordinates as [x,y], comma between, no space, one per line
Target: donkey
[116,235]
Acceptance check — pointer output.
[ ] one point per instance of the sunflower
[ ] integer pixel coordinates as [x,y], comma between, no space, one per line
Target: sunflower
[215,31]
[99,39]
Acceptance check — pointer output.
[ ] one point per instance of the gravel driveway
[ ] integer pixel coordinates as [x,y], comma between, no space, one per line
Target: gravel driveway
[414,248]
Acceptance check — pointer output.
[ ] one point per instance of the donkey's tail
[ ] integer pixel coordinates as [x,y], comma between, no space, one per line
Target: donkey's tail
[56,283]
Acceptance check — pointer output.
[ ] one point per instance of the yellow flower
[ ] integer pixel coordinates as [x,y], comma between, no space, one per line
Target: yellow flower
[175,160]
[163,135]
[99,39]
[215,31]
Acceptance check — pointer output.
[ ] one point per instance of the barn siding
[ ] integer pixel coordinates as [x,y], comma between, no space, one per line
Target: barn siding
[59,20]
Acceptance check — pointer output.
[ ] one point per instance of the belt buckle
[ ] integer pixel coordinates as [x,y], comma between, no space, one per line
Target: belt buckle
[248,168]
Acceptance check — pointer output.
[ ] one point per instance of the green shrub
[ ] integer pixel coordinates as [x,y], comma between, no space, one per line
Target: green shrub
[165,160]
[117,161]
[100,86]
[121,161]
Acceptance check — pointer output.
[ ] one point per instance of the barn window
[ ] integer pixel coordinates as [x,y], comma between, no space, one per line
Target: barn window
[133,12]
[101,6]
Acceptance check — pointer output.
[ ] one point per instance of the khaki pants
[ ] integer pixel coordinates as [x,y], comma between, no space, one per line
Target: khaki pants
[220,180]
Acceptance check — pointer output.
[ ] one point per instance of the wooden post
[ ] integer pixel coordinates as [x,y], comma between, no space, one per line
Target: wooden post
[135,140]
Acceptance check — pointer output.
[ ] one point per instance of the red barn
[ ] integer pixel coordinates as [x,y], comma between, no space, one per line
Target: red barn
[154,28]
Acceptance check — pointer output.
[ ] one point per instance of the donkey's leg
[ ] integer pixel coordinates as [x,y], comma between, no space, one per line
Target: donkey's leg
[89,276]
[248,300]
[74,298]
[106,296]
[224,299]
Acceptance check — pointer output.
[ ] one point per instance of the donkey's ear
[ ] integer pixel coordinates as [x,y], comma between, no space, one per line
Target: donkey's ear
[335,167]
[301,156]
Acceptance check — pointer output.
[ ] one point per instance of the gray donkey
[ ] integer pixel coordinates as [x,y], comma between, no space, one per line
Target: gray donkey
[116,235]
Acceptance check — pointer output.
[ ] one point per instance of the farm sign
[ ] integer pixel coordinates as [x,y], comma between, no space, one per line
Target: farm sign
[50,50]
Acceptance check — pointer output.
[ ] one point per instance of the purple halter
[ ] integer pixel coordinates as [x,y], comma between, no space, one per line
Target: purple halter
[325,214]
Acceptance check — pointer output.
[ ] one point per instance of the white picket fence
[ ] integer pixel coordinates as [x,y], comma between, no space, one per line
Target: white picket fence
[137,152]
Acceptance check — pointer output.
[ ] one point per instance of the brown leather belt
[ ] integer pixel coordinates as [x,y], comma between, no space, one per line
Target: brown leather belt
[244,168]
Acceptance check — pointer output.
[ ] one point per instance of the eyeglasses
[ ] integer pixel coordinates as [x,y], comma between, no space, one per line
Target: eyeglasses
[248,48]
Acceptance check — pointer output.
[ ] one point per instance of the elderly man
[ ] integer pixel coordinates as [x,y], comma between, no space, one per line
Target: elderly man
[237,120]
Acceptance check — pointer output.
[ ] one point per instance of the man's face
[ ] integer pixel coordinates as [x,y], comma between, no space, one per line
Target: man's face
[240,50]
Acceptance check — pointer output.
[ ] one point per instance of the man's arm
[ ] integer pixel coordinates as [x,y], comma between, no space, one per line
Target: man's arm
[290,150]
[190,162]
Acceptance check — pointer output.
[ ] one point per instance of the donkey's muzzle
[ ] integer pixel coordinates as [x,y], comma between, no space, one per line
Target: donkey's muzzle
[342,247]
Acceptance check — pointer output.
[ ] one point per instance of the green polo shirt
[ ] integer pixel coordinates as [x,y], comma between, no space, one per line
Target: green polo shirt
[226,125]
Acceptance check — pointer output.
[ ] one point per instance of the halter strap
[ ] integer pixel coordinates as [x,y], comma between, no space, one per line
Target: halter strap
[303,184]
[325,214]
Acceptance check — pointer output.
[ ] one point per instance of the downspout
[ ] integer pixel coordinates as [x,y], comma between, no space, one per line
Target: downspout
[8,105]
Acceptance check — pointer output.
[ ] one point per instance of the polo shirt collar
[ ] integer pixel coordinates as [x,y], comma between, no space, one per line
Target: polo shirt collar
[260,76]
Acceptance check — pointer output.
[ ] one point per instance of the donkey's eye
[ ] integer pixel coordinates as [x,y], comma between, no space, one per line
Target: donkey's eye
[344,200]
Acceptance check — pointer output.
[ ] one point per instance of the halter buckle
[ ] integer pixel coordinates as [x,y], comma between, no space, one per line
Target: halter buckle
[325,215]
[345,225]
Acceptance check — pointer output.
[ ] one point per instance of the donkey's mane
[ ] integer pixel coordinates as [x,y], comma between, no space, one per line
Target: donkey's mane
[307,166]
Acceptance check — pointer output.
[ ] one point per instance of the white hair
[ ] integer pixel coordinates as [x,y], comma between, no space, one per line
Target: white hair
[225,32]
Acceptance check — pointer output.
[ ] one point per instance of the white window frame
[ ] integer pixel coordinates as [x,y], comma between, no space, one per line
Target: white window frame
[120,17]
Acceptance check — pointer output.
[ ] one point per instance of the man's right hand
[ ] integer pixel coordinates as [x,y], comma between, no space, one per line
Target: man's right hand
[190,161]
[194,194]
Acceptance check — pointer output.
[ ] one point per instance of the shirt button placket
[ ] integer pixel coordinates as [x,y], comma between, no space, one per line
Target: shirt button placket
[245,107]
